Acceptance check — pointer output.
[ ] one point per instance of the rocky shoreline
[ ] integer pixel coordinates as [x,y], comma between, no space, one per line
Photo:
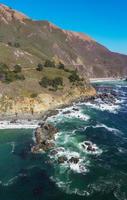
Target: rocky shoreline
[45,133]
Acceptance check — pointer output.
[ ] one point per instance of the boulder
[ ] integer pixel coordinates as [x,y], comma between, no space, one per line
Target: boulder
[44,136]
[90,148]
[54,152]
[62,159]
[74,160]
[67,112]
[75,109]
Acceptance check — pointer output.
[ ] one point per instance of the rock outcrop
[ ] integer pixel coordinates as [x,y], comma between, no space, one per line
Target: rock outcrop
[21,107]
[44,137]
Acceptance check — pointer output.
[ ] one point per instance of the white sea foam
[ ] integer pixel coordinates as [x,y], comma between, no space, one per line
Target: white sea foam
[10,181]
[13,147]
[77,114]
[66,187]
[20,124]
[83,147]
[104,106]
[76,167]
[122,150]
[113,130]
[69,113]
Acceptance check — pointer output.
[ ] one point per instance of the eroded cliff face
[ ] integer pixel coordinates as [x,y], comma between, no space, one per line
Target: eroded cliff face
[35,107]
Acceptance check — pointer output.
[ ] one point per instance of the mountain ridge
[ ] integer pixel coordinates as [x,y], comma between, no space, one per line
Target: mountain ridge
[45,40]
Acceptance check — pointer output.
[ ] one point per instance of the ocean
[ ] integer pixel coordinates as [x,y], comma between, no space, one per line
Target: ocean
[99,175]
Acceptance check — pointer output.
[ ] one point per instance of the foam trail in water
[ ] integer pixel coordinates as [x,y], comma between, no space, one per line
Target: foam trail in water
[20,124]
[113,130]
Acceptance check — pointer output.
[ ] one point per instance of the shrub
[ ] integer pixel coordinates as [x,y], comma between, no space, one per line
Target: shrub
[10,44]
[39,67]
[33,95]
[45,82]
[20,77]
[10,77]
[16,44]
[74,77]
[57,81]
[61,66]
[17,69]
[3,67]
[49,63]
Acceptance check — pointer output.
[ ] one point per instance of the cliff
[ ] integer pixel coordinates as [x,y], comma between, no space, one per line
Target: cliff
[34,108]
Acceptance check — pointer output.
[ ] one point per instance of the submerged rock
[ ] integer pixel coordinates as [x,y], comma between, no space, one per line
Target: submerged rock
[107,97]
[13,121]
[75,109]
[67,112]
[62,159]
[88,146]
[74,160]
[91,148]
[54,152]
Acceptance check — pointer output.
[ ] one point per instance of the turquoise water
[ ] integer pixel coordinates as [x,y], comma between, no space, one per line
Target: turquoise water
[100,175]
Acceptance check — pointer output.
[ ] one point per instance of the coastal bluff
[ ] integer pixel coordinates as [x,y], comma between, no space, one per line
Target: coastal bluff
[34,108]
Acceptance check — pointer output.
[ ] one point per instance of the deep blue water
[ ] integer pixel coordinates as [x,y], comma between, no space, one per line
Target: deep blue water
[100,175]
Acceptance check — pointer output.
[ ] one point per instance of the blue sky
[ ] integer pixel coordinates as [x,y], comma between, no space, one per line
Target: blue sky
[103,20]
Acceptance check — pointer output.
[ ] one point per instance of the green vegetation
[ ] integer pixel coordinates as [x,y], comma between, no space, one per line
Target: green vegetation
[49,63]
[8,76]
[61,66]
[39,67]
[74,77]
[17,69]
[33,95]
[20,77]
[15,44]
[3,67]
[54,83]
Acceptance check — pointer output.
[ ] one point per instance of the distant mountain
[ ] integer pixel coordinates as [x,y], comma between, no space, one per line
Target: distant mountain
[28,42]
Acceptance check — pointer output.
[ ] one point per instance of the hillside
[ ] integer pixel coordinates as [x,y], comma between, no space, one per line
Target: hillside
[43,67]
[42,40]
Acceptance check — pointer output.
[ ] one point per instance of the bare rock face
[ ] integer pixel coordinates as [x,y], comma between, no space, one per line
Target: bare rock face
[7,14]
[44,136]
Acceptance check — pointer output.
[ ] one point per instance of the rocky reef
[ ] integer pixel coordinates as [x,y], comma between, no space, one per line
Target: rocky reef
[44,137]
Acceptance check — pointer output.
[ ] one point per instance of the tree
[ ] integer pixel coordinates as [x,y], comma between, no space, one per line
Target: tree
[61,65]
[17,69]
[3,67]
[9,77]
[49,63]
[20,77]
[39,67]
[10,43]
[74,77]
[16,44]
[57,81]
[45,82]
